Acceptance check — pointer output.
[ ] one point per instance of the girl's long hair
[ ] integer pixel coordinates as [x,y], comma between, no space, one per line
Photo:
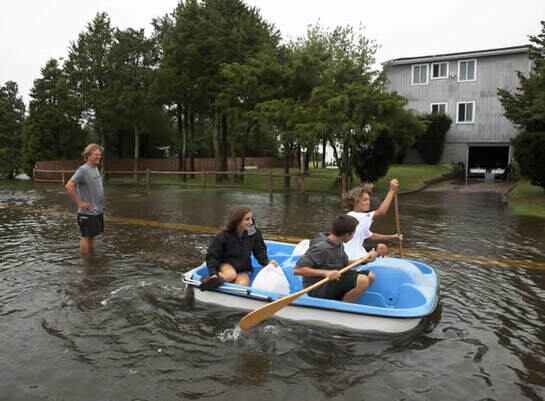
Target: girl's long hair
[351,197]
[236,215]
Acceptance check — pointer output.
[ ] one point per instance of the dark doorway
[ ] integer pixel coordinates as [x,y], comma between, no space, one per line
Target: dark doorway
[486,160]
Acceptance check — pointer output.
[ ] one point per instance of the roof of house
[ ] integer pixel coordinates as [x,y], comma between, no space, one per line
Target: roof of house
[452,56]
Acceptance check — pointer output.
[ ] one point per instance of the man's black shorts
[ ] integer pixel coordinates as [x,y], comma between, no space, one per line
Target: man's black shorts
[90,225]
[336,289]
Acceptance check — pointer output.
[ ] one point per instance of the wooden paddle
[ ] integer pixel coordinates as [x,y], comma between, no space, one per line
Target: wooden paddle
[257,316]
[398,227]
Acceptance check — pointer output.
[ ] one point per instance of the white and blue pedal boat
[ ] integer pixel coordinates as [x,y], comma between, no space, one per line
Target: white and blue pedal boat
[404,293]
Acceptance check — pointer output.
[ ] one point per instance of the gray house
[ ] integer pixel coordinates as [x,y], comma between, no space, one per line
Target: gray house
[464,86]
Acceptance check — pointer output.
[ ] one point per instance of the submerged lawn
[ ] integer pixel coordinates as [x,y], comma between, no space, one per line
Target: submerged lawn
[527,199]
[319,180]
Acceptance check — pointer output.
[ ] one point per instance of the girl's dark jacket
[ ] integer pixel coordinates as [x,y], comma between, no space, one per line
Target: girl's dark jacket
[228,247]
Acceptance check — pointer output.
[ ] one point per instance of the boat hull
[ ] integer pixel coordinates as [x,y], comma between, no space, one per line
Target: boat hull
[404,293]
[315,316]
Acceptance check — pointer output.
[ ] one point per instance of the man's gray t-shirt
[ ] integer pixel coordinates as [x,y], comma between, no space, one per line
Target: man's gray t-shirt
[89,188]
[322,254]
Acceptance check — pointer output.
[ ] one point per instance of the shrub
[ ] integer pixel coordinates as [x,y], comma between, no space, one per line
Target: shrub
[431,143]
[372,160]
[530,156]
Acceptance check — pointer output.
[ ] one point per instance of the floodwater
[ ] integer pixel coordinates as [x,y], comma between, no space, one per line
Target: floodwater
[121,325]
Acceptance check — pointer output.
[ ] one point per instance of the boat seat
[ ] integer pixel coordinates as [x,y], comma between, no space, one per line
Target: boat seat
[410,296]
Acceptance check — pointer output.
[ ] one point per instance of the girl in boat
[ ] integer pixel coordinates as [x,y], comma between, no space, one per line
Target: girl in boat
[228,256]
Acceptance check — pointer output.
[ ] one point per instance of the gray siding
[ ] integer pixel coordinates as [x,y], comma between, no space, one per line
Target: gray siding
[490,126]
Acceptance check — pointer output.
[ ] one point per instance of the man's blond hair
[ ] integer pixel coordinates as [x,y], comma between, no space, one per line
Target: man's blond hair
[90,149]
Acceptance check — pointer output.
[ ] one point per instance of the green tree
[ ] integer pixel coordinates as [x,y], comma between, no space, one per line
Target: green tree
[52,129]
[235,32]
[375,155]
[244,87]
[291,112]
[12,114]
[526,109]
[90,74]
[529,149]
[308,58]
[353,107]
[132,59]
[198,40]
[177,84]
[526,106]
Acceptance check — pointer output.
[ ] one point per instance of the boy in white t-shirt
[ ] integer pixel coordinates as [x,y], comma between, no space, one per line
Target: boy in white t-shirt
[358,201]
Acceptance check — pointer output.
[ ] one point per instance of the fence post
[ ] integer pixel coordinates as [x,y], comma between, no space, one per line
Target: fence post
[147,178]
[203,178]
[303,183]
[270,182]
[62,174]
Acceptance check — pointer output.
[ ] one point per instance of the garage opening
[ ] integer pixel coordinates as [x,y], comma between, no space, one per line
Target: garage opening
[488,161]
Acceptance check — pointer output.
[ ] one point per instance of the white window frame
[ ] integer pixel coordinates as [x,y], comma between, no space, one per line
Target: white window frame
[458,112]
[439,104]
[465,61]
[439,63]
[427,74]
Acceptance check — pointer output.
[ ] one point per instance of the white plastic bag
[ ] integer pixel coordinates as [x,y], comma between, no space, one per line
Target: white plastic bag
[301,248]
[271,278]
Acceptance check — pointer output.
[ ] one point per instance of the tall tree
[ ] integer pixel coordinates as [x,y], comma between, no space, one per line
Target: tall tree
[526,109]
[235,32]
[177,84]
[345,99]
[89,71]
[526,106]
[198,40]
[245,86]
[352,106]
[132,60]
[12,114]
[52,129]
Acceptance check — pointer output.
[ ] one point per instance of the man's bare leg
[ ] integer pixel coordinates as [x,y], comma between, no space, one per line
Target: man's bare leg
[361,285]
[86,244]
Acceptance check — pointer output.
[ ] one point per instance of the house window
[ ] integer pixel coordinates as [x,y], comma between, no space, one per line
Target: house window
[438,108]
[420,74]
[465,113]
[467,70]
[439,70]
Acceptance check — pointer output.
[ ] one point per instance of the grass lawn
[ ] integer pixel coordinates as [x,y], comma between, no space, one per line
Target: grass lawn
[319,180]
[411,176]
[527,199]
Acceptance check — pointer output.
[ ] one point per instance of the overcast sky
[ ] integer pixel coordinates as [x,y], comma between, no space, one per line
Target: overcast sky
[33,31]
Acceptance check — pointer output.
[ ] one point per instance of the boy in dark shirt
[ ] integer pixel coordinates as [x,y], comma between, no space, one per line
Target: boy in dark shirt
[326,256]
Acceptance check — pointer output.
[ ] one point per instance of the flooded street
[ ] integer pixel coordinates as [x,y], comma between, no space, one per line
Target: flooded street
[121,325]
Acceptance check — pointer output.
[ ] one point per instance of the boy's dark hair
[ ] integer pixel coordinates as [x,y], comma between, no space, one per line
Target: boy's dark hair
[343,224]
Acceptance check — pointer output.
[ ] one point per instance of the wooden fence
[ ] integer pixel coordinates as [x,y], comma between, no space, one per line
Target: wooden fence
[198,178]
[113,165]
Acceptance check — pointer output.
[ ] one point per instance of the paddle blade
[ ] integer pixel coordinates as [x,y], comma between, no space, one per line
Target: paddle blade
[257,316]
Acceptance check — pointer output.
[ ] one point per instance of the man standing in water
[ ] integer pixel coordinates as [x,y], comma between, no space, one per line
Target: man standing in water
[85,188]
